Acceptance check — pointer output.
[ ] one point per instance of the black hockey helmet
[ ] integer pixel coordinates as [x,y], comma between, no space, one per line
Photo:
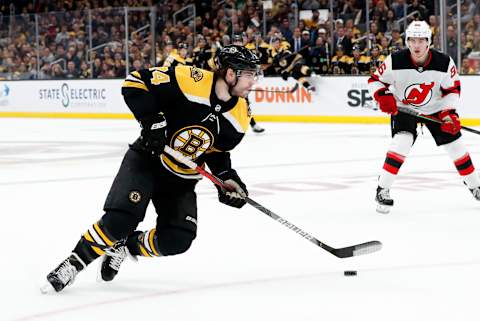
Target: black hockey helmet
[237,58]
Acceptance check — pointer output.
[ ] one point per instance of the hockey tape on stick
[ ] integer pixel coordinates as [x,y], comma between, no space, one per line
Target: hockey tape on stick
[349,251]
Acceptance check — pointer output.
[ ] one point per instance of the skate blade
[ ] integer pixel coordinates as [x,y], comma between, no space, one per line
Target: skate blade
[47,288]
[383,209]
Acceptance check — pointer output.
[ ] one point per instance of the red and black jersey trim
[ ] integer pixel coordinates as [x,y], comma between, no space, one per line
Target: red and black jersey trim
[464,165]
[393,162]
[455,89]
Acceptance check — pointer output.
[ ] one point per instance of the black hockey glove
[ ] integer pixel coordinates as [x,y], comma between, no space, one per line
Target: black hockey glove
[154,134]
[285,75]
[236,196]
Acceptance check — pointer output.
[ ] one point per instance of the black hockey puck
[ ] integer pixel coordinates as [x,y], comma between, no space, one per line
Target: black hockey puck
[350,273]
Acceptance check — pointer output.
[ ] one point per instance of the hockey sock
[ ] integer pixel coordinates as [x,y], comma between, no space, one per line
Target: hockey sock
[461,158]
[93,242]
[143,243]
[400,147]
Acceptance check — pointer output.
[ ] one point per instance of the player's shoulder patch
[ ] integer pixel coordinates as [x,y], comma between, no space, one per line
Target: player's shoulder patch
[239,116]
[195,83]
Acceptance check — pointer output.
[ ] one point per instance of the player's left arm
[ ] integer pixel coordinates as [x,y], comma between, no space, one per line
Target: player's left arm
[450,98]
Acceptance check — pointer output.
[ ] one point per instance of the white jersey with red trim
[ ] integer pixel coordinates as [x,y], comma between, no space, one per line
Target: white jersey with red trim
[427,89]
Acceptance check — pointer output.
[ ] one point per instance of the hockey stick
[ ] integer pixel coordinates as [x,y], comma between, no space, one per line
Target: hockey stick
[344,252]
[415,113]
[291,90]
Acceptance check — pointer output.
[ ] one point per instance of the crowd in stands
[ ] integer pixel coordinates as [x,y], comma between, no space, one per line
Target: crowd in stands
[42,39]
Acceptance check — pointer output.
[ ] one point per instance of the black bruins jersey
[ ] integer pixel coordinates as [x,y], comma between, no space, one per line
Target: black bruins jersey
[199,125]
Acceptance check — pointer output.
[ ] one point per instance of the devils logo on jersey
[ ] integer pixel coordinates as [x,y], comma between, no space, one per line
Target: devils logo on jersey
[418,94]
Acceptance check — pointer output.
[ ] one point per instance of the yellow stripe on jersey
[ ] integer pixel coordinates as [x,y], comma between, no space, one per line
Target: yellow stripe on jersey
[150,241]
[89,238]
[144,251]
[133,84]
[177,169]
[136,74]
[196,84]
[239,116]
[102,235]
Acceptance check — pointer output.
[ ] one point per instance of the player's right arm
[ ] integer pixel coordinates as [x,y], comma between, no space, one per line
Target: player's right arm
[378,84]
[139,90]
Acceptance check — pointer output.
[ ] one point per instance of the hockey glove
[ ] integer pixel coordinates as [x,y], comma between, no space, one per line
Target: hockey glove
[154,134]
[387,101]
[450,122]
[284,75]
[237,192]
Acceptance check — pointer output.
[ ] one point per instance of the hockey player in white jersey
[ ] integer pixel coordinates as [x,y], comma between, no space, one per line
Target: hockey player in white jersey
[427,81]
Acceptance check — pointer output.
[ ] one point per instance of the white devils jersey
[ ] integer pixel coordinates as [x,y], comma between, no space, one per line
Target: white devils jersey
[427,89]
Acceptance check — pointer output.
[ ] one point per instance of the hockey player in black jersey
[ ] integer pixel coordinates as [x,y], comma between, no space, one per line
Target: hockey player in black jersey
[427,81]
[288,64]
[178,57]
[201,114]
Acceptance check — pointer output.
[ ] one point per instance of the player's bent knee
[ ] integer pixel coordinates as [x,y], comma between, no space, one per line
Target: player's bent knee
[174,241]
[402,143]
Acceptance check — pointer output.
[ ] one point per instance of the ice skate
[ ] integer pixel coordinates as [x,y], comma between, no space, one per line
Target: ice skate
[257,129]
[113,258]
[475,192]
[64,274]
[384,201]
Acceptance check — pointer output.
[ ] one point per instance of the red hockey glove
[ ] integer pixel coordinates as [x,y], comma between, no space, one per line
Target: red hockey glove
[450,122]
[386,101]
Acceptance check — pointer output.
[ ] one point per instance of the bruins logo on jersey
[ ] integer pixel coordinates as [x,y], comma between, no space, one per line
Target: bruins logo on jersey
[135,197]
[192,141]
[196,74]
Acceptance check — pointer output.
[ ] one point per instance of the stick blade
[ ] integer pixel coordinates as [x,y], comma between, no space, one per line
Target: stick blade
[359,249]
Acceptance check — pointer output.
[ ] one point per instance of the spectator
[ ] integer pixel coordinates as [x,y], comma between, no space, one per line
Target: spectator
[296,43]
[286,31]
[57,72]
[422,12]
[71,72]
[85,72]
[310,5]
[344,41]
[452,42]
[399,7]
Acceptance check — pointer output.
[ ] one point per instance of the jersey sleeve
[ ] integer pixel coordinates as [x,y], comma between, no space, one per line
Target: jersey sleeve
[450,87]
[218,162]
[142,88]
[382,77]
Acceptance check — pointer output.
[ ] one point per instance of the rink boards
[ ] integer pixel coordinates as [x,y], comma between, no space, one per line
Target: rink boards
[341,99]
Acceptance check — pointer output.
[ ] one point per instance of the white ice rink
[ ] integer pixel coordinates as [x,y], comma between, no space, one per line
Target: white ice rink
[55,174]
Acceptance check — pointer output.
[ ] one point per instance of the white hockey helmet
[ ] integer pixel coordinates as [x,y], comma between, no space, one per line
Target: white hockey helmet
[418,29]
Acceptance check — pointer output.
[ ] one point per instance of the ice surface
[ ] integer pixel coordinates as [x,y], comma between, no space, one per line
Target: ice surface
[55,174]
